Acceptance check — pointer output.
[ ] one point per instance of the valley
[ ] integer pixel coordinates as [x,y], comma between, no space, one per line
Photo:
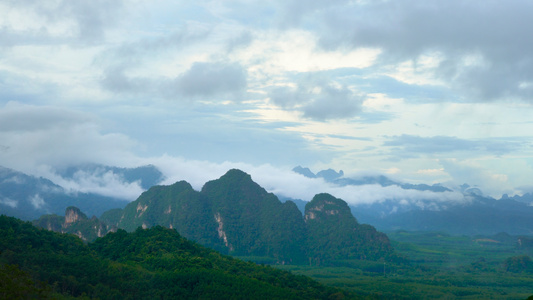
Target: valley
[320,239]
[438,266]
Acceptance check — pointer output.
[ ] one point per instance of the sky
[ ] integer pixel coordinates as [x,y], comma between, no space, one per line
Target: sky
[419,91]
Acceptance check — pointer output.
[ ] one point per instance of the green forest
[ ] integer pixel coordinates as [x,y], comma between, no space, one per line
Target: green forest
[160,263]
[234,240]
[145,264]
[437,265]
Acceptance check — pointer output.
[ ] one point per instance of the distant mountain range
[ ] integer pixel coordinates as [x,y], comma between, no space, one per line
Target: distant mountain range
[28,197]
[236,216]
[477,214]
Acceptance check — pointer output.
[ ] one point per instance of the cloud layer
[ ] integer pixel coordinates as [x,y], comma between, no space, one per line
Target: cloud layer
[426,91]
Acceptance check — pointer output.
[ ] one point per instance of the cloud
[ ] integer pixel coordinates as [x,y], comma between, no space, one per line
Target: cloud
[284,182]
[59,21]
[116,80]
[411,145]
[36,201]
[39,140]
[97,181]
[33,136]
[480,45]
[9,202]
[206,79]
[24,118]
[293,12]
[319,101]
[203,80]
[284,82]
[163,44]
[242,40]
[69,138]
[472,173]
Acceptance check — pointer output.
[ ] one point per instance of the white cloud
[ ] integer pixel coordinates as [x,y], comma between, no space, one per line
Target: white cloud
[284,182]
[33,136]
[9,202]
[474,174]
[365,85]
[98,182]
[297,51]
[36,201]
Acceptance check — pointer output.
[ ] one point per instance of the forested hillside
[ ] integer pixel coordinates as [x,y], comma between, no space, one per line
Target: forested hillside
[236,216]
[145,264]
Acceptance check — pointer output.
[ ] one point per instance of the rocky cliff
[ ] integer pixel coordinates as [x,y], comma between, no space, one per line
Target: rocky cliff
[75,222]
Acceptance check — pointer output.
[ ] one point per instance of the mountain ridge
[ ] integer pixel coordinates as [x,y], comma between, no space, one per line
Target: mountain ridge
[234,215]
[477,214]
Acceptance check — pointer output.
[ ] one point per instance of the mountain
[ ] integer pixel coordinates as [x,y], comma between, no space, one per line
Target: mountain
[481,215]
[252,221]
[28,197]
[155,263]
[338,178]
[330,174]
[236,216]
[177,206]
[476,214]
[335,234]
[75,222]
[526,198]
[304,171]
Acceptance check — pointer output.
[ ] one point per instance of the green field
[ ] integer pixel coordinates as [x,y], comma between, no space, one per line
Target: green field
[436,266]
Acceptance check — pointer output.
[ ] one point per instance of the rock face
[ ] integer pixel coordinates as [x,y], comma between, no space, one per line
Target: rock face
[72,215]
[75,222]
[236,216]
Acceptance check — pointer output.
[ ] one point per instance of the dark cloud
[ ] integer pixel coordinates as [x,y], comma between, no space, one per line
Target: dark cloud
[205,79]
[116,80]
[319,101]
[411,145]
[19,118]
[333,103]
[484,46]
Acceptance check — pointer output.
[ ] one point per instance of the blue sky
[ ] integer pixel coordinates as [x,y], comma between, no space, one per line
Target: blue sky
[421,91]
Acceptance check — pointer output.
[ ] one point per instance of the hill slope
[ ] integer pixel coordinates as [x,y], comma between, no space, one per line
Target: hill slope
[145,264]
